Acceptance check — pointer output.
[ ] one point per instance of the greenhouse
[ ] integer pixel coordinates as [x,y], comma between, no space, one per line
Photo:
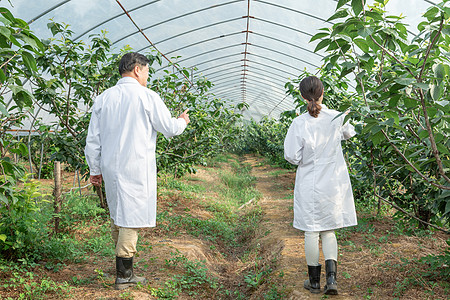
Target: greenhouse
[232,136]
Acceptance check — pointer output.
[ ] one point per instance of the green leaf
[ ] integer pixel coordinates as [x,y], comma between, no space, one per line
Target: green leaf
[393,101]
[3,110]
[410,103]
[5,21]
[431,13]
[421,85]
[186,73]
[339,14]
[439,71]
[2,76]
[322,44]
[377,138]
[362,44]
[442,148]
[404,81]
[29,61]
[5,32]
[392,115]
[341,3]
[423,134]
[3,236]
[365,31]
[432,111]
[357,6]
[436,91]
[319,36]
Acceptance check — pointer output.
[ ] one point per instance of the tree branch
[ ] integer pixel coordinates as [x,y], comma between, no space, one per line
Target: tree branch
[410,215]
[443,187]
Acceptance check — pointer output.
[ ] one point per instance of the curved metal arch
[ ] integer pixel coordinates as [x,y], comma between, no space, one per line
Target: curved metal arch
[247,79]
[47,11]
[284,71]
[248,75]
[115,17]
[226,35]
[220,65]
[294,10]
[235,72]
[250,72]
[284,26]
[276,51]
[214,59]
[220,71]
[254,95]
[241,87]
[263,99]
[253,67]
[175,18]
[204,41]
[244,82]
[218,49]
[203,53]
[276,61]
[190,31]
[285,42]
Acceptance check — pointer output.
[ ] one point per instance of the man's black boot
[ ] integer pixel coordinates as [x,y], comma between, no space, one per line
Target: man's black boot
[331,269]
[124,274]
[313,283]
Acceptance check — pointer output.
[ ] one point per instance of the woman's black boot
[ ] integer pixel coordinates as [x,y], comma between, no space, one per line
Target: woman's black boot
[313,283]
[125,277]
[331,269]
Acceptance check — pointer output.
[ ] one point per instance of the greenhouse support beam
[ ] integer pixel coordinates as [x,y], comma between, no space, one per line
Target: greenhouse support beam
[175,18]
[148,40]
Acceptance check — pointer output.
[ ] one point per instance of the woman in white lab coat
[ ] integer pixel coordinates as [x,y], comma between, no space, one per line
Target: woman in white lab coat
[323,198]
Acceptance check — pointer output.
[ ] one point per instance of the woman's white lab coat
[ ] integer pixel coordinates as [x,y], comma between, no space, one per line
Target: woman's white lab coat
[121,145]
[323,198]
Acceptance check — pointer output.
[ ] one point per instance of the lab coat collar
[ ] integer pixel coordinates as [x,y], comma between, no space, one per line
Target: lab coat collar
[323,106]
[127,80]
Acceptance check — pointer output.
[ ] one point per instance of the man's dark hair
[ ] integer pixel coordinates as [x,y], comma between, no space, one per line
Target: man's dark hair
[130,60]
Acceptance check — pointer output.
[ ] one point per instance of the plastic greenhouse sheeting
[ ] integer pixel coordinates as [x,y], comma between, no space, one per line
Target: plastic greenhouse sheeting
[248,49]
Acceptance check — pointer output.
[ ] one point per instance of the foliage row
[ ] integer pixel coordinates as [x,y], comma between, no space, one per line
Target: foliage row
[62,76]
[396,88]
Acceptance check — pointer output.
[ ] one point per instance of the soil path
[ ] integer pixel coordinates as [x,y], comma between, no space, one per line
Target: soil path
[276,187]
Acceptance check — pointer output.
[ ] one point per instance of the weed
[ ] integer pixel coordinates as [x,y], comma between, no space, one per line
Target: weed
[194,279]
[25,282]
[126,295]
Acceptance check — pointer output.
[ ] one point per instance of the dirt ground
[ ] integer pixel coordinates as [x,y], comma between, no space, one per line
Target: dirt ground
[370,261]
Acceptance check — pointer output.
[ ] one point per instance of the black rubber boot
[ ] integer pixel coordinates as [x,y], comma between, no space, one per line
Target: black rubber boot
[313,283]
[331,269]
[124,274]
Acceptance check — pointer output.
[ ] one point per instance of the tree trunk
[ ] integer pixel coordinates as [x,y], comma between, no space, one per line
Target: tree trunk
[57,195]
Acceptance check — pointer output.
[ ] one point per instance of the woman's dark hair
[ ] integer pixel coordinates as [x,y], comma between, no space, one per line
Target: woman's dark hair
[130,60]
[311,89]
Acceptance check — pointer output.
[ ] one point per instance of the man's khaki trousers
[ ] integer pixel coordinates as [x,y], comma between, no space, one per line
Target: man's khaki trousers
[125,240]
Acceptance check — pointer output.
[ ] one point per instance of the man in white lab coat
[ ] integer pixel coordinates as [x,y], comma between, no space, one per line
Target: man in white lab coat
[120,149]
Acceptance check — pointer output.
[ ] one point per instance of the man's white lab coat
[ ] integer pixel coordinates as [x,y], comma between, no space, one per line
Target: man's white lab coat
[323,198]
[121,145]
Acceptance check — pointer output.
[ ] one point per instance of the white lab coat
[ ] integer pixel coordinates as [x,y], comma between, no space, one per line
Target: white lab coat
[323,198]
[121,145]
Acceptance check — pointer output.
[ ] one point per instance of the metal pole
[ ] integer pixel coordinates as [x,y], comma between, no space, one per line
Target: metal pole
[29,158]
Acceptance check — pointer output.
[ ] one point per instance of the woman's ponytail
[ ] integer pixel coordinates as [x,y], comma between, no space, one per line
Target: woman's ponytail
[314,108]
[311,89]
